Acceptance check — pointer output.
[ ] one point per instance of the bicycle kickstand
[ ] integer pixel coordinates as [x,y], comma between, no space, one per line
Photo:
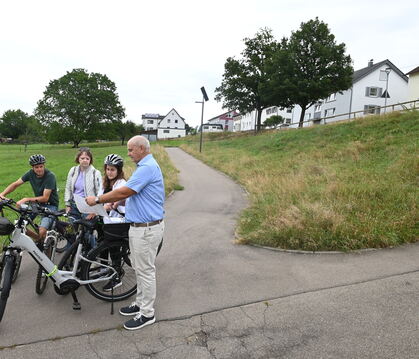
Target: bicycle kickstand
[76,304]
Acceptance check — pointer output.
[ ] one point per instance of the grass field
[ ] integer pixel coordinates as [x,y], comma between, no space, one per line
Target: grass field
[342,186]
[60,158]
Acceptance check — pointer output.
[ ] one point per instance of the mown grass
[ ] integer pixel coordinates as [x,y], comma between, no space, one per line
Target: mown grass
[60,158]
[342,186]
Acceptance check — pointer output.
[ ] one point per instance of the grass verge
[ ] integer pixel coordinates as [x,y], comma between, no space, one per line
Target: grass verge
[342,186]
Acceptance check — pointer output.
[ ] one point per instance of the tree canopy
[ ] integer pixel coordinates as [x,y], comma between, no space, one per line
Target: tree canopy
[244,78]
[274,121]
[17,124]
[309,66]
[77,102]
[301,70]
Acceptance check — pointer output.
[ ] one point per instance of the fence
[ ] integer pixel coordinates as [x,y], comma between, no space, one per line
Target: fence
[402,106]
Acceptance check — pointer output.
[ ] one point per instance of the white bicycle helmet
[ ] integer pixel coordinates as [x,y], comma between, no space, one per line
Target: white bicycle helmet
[114,160]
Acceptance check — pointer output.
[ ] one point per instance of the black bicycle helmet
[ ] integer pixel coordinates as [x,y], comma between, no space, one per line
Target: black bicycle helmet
[36,160]
[114,160]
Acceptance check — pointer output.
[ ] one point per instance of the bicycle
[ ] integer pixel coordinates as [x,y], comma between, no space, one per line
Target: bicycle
[18,256]
[87,269]
[55,241]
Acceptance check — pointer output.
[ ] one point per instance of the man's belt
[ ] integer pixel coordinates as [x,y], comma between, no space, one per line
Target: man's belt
[147,224]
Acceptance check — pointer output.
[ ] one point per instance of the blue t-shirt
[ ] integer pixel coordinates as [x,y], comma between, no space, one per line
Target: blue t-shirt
[147,204]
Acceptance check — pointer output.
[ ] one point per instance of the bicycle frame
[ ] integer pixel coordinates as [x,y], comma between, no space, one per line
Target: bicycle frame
[20,240]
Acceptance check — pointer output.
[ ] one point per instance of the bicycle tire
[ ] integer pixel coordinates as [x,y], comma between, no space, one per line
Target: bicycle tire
[41,277]
[6,282]
[17,267]
[63,242]
[116,254]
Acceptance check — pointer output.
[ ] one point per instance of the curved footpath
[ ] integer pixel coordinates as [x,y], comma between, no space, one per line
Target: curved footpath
[221,300]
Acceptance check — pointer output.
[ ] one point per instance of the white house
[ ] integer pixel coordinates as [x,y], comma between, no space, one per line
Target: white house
[151,121]
[171,126]
[225,119]
[413,88]
[367,94]
[212,127]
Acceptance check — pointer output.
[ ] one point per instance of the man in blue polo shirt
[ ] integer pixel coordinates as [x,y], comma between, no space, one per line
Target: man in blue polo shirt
[144,211]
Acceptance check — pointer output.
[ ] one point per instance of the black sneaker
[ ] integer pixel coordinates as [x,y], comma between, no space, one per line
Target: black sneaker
[138,322]
[113,283]
[132,309]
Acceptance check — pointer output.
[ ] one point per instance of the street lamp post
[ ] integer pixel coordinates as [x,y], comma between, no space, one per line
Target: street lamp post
[387,71]
[204,98]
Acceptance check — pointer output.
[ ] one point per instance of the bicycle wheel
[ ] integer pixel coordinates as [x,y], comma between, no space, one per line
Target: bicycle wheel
[117,255]
[17,266]
[61,244]
[41,276]
[6,282]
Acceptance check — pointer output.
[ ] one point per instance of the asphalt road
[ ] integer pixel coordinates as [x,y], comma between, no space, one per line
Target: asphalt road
[201,270]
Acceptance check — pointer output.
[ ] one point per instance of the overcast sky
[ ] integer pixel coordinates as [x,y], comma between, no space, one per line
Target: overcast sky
[159,53]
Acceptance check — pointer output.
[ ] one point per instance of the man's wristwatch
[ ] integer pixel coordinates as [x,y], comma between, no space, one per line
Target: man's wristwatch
[97,201]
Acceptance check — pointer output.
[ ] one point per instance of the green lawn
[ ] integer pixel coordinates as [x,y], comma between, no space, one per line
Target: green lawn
[341,186]
[60,158]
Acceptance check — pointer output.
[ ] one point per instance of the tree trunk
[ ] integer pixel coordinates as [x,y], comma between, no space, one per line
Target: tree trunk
[122,141]
[259,125]
[303,112]
[76,143]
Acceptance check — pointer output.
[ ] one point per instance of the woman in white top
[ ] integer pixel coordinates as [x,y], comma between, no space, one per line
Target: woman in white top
[83,180]
[114,227]
[113,179]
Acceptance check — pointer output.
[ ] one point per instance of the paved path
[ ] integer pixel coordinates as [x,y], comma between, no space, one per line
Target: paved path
[276,304]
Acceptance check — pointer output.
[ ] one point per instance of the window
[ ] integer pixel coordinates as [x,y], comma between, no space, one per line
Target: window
[168,120]
[150,122]
[175,121]
[371,109]
[332,97]
[329,112]
[373,91]
[317,108]
[166,131]
[287,120]
[289,110]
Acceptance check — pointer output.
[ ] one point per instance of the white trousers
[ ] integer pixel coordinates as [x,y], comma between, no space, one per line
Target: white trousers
[143,244]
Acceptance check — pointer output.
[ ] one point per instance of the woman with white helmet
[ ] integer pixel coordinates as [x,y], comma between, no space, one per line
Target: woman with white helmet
[114,178]
[114,225]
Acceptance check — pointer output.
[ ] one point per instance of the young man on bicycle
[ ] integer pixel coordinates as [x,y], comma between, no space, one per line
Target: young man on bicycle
[144,211]
[44,186]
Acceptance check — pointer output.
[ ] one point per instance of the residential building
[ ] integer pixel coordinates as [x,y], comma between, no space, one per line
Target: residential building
[237,122]
[225,119]
[413,87]
[171,126]
[151,121]
[212,127]
[367,94]
[157,127]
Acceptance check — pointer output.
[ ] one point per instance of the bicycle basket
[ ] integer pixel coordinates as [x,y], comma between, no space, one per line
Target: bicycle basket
[6,227]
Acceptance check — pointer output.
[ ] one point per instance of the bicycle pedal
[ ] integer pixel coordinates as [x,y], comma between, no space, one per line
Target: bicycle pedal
[76,306]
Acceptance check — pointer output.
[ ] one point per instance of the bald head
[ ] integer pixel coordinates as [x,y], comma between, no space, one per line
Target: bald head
[138,148]
[140,141]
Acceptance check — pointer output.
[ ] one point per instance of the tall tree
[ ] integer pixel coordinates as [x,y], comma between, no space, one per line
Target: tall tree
[125,130]
[14,123]
[78,101]
[244,79]
[309,66]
